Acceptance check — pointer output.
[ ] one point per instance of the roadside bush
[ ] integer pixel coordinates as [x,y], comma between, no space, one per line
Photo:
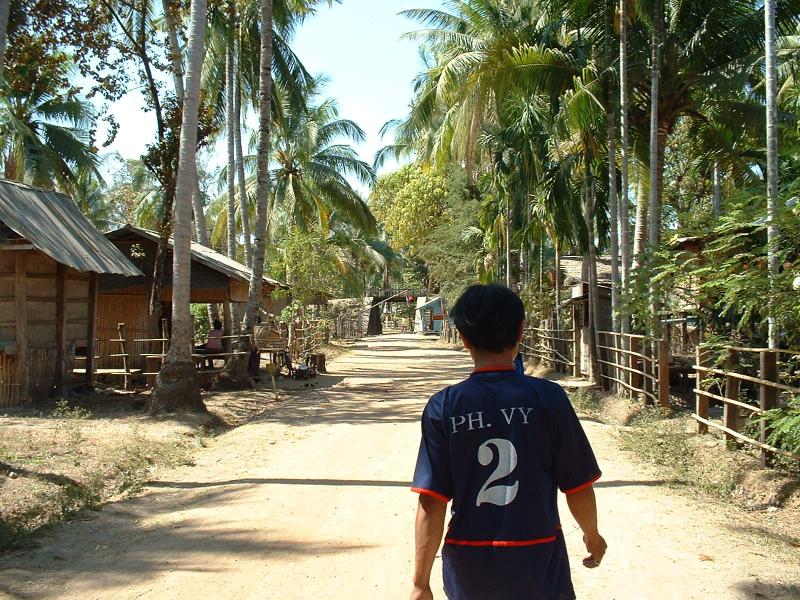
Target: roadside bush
[785,426]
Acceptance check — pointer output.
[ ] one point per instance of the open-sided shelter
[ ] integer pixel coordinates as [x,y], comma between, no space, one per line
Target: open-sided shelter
[50,260]
[215,279]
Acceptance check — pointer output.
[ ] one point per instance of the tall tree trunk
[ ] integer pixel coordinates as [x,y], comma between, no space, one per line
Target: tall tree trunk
[4,6]
[508,240]
[716,203]
[654,229]
[175,53]
[176,58]
[624,202]
[230,94]
[613,200]
[176,385]
[557,293]
[237,140]
[230,171]
[772,163]
[262,174]
[594,296]
[167,180]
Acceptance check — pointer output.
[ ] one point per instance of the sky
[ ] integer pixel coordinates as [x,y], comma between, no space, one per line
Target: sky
[357,44]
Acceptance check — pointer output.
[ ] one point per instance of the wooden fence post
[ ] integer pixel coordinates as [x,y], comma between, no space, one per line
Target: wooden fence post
[732,386]
[701,401]
[124,354]
[663,373]
[767,395]
[647,368]
[576,347]
[633,363]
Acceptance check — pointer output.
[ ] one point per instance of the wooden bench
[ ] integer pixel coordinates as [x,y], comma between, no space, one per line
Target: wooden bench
[125,373]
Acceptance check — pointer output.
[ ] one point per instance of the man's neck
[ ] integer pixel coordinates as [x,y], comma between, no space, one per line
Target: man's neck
[491,360]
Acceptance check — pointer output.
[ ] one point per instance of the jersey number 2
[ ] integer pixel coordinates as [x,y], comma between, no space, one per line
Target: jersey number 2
[500,495]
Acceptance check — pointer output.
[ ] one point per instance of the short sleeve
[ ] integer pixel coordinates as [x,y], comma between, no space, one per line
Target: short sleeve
[574,464]
[432,475]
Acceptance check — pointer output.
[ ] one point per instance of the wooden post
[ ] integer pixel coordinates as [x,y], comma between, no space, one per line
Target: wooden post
[124,354]
[647,368]
[635,363]
[226,325]
[663,373]
[767,395]
[164,337]
[21,316]
[732,386]
[91,332]
[576,343]
[61,327]
[701,401]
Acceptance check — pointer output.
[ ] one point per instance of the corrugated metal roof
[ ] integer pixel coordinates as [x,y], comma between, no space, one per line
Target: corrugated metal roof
[53,224]
[206,256]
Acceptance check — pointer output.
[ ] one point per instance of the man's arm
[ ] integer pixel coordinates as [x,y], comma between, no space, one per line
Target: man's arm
[428,535]
[583,507]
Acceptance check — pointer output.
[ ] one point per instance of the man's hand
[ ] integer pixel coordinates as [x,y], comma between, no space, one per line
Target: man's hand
[422,593]
[596,546]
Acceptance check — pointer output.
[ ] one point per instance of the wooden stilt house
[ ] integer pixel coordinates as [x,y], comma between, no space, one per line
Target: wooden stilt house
[50,259]
[215,279]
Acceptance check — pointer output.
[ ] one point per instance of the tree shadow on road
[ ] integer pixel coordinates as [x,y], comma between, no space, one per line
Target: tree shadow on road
[768,590]
[278,481]
[107,551]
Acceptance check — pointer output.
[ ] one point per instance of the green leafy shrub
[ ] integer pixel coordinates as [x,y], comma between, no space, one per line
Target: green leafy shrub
[785,426]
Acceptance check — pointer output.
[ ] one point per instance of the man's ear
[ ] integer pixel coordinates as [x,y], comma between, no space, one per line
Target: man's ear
[521,332]
[466,342]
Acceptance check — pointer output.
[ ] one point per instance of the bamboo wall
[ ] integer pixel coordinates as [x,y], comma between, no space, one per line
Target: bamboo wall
[44,321]
[112,310]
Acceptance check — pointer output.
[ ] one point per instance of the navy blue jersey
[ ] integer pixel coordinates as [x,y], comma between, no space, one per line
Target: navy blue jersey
[500,445]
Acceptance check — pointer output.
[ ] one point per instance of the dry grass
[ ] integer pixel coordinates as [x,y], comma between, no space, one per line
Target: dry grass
[668,441]
[62,457]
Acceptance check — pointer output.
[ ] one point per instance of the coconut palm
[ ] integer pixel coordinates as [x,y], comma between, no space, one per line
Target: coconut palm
[312,164]
[262,170]
[4,10]
[176,384]
[45,135]
[772,156]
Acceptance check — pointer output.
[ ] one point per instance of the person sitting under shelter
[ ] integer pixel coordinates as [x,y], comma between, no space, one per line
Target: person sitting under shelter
[213,343]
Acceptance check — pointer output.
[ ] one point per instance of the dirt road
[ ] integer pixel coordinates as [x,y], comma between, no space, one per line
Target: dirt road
[312,502]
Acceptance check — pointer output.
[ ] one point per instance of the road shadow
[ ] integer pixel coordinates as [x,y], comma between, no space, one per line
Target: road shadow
[277,481]
[649,483]
[751,590]
[112,549]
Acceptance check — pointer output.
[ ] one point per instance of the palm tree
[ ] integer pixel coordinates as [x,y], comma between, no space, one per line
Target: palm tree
[262,170]
[312,165]
[45,135]
[176,60]
[176,385]
[624,201]
[4,6]
[611,141]
[772,158]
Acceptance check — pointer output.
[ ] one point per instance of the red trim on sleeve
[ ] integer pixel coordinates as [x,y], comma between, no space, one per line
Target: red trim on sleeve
[583,486]
[431,493]
[493,369]
[501,543]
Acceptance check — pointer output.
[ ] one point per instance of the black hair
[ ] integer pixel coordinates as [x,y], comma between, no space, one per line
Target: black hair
[217,324]
[489,316]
